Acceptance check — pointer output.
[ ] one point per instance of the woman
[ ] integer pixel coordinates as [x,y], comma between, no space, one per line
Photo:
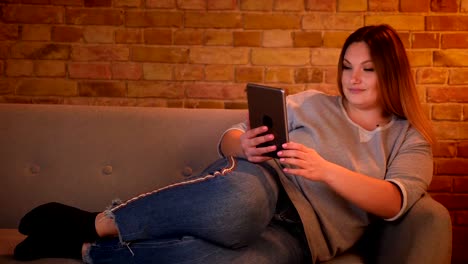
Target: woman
[349,162]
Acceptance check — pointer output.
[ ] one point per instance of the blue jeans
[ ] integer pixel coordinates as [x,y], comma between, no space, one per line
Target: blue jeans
[225,215]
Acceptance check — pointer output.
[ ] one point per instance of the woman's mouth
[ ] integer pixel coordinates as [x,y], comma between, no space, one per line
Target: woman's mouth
[356,90]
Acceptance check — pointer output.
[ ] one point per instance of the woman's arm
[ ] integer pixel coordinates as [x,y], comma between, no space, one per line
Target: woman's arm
[231,144]
[378,197]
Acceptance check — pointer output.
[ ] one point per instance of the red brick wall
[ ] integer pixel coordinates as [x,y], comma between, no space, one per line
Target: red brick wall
[200,53]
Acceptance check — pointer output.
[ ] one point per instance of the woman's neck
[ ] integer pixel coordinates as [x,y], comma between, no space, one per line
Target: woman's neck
[369,118]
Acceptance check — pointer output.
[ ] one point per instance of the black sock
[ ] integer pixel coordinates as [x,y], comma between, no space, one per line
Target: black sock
[55,220]
[36,247]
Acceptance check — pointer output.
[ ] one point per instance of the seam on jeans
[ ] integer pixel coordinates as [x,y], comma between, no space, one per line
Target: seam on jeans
[230,167]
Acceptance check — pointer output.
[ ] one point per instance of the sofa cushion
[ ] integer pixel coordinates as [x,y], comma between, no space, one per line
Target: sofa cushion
[86,156]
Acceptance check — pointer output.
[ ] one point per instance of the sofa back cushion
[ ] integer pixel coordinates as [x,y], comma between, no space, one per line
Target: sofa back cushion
[87,156]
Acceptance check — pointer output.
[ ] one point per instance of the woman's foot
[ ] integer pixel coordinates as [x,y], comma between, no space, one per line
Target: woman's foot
[55,219]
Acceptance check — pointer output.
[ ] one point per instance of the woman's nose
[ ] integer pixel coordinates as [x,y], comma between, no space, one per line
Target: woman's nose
[356,77]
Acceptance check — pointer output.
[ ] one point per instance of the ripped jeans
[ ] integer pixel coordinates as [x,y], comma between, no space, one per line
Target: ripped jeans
[224,215]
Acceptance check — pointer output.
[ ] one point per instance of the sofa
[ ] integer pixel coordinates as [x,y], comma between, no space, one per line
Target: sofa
[87,156]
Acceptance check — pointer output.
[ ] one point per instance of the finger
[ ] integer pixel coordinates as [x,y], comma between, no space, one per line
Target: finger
[254,139]
[254,132]
[297,154]
[256,155]
[294,162]
[292,145]
[260,151]
[263,139]
[264,150]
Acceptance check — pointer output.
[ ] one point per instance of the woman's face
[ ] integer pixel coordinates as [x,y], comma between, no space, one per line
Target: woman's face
[359,79]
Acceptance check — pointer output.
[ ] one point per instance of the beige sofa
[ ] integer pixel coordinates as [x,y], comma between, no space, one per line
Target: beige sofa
[87,156]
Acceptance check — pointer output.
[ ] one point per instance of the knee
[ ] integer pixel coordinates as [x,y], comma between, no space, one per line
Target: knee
[247,220]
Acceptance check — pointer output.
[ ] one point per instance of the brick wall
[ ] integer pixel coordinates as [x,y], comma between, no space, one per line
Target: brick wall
[200,53]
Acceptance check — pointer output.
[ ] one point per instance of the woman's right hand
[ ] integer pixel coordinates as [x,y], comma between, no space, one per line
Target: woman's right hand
[251,139]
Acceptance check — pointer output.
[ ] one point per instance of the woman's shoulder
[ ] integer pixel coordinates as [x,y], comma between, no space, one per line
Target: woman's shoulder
[410,136]
[310,96]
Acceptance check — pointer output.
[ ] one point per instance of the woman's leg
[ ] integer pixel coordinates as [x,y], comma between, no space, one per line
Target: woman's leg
[230,204]
[274,245]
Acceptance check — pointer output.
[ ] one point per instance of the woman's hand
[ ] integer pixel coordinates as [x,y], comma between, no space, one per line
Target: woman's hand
[251,139]
[305,162]
[386,199]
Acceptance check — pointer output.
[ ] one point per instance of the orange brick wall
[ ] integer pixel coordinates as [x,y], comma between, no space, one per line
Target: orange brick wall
[200,53]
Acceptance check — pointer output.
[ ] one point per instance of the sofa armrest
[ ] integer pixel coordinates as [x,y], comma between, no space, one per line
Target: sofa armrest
[423,235]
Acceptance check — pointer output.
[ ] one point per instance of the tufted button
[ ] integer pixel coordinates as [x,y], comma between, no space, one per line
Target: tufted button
[187,171]
[34,169]
[107,170]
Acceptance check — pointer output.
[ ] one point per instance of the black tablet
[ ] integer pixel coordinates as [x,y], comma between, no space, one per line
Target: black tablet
[267,107]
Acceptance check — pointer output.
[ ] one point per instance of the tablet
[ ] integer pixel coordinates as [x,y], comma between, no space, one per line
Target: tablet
[267,107]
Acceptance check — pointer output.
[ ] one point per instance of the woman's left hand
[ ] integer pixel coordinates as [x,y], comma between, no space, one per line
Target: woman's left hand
[305,162]
[386,199]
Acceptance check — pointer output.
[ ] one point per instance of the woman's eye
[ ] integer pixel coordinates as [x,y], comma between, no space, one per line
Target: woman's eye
[369,69]
[345,67]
